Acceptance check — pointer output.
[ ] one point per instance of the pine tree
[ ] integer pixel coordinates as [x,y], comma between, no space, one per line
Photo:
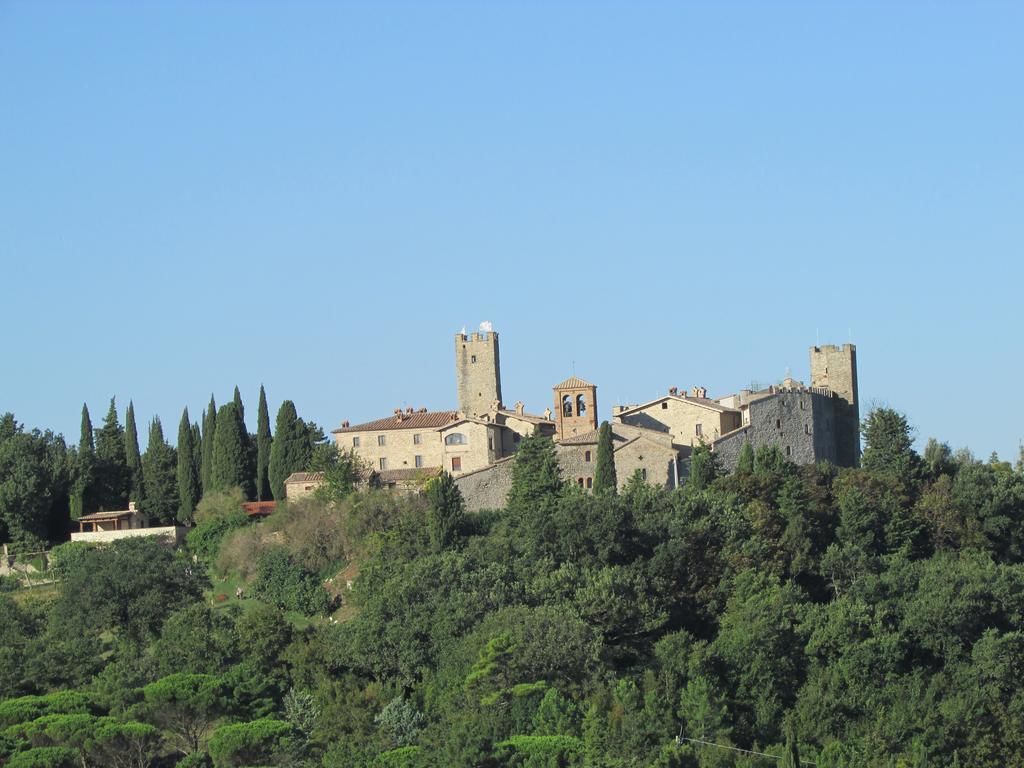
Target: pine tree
[159,466]
[230,454]
[82,500]
[132,456]
[187,471]
[444,513]
[209,433]
[291,450]
[536,479]
[111,463]
[264,441]
[605,480]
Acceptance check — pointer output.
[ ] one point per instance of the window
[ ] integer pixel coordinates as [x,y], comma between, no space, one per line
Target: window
[586,455]
[355,442]
[381,439]
[643,473]
[383,463]
[567,405]
[490,443]
[418,461]
[788,450]
[455,438]
[664,405]
[580,481]
[456,463]
[472,358]
[590,482]
[700,430]
[778,423]
[807,429]
[516,437]
[581,405]
[417,439]
[801,404]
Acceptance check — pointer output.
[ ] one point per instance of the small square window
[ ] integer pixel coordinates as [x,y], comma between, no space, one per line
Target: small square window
[472,358]
[664,405]
[456,463]
[355,442]
[419,462]
[383,463]
[381,439]
[700,430]
[417,439]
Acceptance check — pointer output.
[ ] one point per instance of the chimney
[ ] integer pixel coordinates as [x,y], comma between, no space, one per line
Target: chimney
[520,408]
[345,424]
[673,391]
[131,506]
[700,392]
[409,409]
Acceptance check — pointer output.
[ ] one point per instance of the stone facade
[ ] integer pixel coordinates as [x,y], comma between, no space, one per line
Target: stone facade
[653,453]
[486,488]
[477,372]
[800,421]
[298,485]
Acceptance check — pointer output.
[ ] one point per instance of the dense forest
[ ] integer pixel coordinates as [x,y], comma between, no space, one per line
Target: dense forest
[777,615]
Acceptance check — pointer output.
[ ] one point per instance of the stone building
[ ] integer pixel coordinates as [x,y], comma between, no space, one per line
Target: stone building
[476,442]
[481,432]
[690,418]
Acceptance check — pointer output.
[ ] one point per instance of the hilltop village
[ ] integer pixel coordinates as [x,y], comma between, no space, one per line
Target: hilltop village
[476,442]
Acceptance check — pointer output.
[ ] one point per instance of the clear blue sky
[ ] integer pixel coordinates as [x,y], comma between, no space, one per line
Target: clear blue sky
[317,196]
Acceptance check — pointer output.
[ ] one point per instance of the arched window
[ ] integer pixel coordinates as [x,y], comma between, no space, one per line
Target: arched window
[567,406]
[581,405]
[455,438]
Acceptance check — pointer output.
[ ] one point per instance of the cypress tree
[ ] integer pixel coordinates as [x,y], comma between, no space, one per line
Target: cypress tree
[238,404]
[132,456]
[111,463]
[605,480]
[187,470]
[81,500]
[209,433]
[291,450]
[745,463]
[197,455]
[230,455]
[536,481]
[445,512]
[159,466]
[263,447]
[249,442]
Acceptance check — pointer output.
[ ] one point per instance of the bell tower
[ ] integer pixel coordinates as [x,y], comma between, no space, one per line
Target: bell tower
[575,407]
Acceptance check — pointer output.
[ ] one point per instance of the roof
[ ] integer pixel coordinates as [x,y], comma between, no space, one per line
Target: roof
[701,401]
[100,516]
[259,508]
[416,420]
[304,477]
[387,476]
[573,382]
[525,417]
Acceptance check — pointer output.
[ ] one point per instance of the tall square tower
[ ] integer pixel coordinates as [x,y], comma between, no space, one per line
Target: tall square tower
[575,407]
[477,372]
[835,368]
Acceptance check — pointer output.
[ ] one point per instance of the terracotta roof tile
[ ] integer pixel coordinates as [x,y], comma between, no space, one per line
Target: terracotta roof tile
[573,382]
[416,420]
[304,477]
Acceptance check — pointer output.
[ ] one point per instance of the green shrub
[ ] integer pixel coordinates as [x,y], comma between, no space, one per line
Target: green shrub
[260,742]
[282,582]
[205,539]
[64,557]
[9,583]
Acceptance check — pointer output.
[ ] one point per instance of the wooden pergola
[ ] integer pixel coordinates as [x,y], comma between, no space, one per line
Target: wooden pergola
[119,519]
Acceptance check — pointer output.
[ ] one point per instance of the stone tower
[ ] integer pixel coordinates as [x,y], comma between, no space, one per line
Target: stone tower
[575,407]
[835,368]
[477,372]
